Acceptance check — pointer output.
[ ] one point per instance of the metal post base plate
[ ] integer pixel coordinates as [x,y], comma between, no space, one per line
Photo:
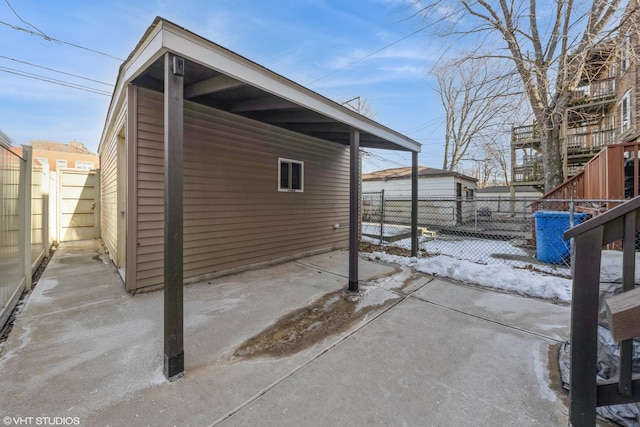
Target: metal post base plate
[174,367]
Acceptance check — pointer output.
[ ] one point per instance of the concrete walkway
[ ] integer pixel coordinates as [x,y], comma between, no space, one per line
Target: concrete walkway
[418,350]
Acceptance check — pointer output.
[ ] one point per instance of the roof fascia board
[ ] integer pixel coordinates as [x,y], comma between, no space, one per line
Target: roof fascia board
[145,55]
[211,55]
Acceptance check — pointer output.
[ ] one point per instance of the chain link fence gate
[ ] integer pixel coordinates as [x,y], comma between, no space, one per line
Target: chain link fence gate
[524,232]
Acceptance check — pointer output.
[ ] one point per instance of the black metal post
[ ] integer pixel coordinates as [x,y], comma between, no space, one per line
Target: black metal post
[414,204]
[584,328]
[354,199]
[381,216]
[173,213]
[625,385]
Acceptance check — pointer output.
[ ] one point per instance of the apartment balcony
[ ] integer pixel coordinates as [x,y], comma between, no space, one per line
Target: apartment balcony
[531,174]
[589,142]
[597,90]
[592,99]
[525,134]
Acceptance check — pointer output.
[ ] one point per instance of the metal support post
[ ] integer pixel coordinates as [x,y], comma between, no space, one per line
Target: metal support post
[572,209]
[414,204]
[354,198]
[625,385]
[475,214]
[381,216]
[584,328]
[173,214]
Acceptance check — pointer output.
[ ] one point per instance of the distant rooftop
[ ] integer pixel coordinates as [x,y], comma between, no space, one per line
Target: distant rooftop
[405,173]
[61,147]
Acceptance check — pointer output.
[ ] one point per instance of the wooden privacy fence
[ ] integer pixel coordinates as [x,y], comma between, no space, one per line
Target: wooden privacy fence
[24,225]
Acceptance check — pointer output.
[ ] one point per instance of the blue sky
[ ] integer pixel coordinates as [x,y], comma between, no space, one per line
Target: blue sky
[312,42]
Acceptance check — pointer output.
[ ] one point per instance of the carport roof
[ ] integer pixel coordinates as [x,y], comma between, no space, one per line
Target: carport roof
[217,77]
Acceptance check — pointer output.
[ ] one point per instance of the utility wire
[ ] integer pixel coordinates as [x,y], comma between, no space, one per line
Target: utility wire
[54,81]
[47,38]
[56,71]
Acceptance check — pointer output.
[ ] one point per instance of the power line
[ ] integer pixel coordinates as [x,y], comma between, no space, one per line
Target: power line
[369,153]
[47,38]
[25,22]
[56,71]
[54,81]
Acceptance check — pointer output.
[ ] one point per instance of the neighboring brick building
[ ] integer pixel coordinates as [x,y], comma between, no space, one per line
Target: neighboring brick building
[70,155]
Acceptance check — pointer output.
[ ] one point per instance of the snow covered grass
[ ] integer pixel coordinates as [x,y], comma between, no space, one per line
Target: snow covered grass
[471,261]
[497,276]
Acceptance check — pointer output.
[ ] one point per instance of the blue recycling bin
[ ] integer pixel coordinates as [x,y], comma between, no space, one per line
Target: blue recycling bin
[551,247]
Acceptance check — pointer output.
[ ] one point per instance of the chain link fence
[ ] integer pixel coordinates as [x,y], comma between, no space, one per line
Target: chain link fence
[524,232]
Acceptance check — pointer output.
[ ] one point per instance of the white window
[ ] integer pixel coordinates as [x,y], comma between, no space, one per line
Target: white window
[84,165]
[42,161]
[61,163]
[625,55]
[290,175]
[468,192]
[625,112]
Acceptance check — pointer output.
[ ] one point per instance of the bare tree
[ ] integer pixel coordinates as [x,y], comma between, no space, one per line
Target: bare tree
[488,170]
[495,153]
[481,168]
[477,99]
[548,44]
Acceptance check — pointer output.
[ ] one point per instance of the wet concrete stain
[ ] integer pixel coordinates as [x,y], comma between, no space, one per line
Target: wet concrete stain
[332,314]
[554,373]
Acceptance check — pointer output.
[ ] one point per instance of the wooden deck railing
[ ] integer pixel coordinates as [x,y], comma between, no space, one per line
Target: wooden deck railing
[590,141]
[594,91]
[620,223]
[525,133]
[602,177]
[528,173]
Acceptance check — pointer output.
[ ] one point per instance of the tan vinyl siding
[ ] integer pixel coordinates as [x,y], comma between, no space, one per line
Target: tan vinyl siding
[234,214]
[149,176]
[109,195]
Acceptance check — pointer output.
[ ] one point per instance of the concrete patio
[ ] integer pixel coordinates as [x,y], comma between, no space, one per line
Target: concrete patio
[415,350]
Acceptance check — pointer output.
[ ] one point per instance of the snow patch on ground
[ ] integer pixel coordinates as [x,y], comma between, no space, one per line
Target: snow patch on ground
[495,276]
[382,289]
[482,251]
[373,296]
[540,365]
[473,262]
[611,267]
[46,285]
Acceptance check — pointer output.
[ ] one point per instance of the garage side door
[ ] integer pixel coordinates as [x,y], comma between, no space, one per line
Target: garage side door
[76,204]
